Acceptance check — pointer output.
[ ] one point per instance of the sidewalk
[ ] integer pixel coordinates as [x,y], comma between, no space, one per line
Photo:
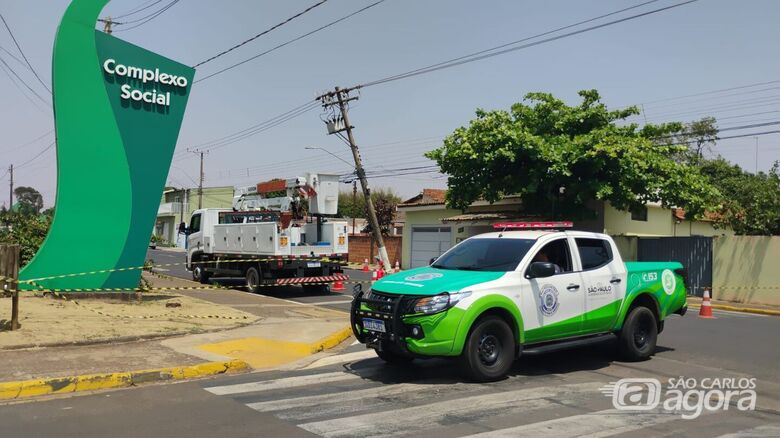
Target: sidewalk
[283,332]
[737,307]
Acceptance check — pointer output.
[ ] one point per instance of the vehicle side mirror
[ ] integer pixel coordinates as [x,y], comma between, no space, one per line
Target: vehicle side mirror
[540,270]
[432,260]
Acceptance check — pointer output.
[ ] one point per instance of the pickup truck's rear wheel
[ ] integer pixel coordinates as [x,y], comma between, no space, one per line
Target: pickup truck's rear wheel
[252,280]
[639,334]
[489,350]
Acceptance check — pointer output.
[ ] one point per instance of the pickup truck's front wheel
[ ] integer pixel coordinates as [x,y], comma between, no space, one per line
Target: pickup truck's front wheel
[489,350]
[639,334]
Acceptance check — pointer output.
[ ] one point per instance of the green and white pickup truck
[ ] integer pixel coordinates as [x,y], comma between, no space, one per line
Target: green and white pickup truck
[500,295]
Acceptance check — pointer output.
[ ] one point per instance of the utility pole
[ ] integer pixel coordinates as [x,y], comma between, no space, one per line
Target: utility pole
[200,180]
[756,137]
[107,23]
[341,98]
[11,191]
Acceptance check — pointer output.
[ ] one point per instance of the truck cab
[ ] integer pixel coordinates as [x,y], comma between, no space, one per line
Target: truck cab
[200,237]
[497,296]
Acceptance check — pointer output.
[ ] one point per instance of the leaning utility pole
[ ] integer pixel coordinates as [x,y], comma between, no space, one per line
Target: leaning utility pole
[11,191]
[341,98]
[107,23]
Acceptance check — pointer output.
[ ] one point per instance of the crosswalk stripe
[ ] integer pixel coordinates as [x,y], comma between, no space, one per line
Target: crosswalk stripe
[316,402]
[342,358]
[418,418]
[604,423]
[288,382]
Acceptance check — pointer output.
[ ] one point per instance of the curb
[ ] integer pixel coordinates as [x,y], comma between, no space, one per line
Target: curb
[91,382]
[757,311]
[332,340]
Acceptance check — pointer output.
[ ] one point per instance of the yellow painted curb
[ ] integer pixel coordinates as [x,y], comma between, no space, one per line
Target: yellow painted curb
[90,382]
[755,310]
[261,353]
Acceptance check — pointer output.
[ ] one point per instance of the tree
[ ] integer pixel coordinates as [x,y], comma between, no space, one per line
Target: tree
[559,157]
[751,202]
[30,200]
[699,136]
[27,231]
[355,206]
[385,214]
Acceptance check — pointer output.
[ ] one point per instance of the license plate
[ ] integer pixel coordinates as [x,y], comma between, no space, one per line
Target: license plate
[313,265]
[375,325]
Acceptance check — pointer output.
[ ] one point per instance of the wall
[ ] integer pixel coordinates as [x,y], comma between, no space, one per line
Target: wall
[745,269]
[659,223]
[360,249]
[422,216]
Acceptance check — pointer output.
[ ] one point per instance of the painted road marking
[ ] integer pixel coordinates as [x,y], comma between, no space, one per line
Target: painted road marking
[285,383]
[594,424]
[416,419]
[342,358]
[732,313]
[343,403]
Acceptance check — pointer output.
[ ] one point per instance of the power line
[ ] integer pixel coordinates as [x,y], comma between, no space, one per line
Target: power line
[224,52]
[23,55]
[740,87]
[22,81]
[37,156]
[31,141]
[146,19]
[289,42]
[489,53]
[139,8]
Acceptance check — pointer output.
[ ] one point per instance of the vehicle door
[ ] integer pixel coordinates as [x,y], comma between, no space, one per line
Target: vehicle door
[604,281]
[195,238]
[557,301]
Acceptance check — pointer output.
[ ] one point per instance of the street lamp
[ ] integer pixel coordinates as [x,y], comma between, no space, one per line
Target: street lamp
[311,148]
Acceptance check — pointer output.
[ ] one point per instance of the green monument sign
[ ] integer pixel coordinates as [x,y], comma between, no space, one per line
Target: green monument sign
[118,109]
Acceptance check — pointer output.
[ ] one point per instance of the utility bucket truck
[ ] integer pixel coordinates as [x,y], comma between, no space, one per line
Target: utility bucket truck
[276,234]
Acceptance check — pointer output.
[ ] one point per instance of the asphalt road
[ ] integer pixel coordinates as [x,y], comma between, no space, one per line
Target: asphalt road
[352,393]
[333,300]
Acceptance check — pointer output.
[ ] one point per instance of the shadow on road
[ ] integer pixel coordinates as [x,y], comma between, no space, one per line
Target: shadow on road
[438,371]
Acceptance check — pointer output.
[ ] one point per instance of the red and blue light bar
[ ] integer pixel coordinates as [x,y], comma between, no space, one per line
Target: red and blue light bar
[533,225]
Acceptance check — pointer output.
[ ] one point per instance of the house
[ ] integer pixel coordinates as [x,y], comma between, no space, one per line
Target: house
[177,206]
[431,228]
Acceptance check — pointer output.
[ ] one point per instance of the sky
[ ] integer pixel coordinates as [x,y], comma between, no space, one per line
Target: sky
[663,62]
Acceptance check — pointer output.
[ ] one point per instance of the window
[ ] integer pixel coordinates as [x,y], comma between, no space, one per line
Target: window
[639,214]
[557,253]
[594,253]
[195,223]
[481,254]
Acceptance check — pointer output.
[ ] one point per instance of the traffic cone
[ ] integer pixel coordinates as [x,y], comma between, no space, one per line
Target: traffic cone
[365,266]
[397,267]
[338,286]
[705,311]
[381,273]
[374,276]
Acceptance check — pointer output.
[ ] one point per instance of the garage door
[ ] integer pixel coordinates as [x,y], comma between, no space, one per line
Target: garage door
[429,242]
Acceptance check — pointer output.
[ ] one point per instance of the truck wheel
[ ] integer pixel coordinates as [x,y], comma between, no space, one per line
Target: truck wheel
[252,280]
[639,334]
[200,275]
[394,358]
[320,289]
[489,350]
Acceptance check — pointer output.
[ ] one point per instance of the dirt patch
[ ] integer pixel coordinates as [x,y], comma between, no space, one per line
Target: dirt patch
[48,320]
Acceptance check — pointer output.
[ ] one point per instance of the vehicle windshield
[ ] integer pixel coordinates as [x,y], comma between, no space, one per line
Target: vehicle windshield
[493,254]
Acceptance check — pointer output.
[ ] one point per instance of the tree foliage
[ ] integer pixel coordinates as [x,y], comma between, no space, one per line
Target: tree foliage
[30,200]
[26,230]
[751,202]
[559,157]
[349,207]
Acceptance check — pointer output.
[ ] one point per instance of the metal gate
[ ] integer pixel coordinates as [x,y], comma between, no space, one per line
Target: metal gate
[695,253]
